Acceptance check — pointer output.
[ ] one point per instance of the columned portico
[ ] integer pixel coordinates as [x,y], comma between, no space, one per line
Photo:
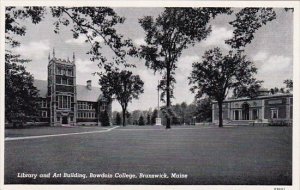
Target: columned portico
[264,109]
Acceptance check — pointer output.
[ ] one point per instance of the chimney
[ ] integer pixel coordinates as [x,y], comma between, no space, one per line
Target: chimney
[89,84]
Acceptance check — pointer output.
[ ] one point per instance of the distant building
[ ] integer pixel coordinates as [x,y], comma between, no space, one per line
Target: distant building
[63,102]
[270,109]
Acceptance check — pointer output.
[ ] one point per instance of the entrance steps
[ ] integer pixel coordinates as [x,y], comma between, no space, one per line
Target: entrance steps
[237,122]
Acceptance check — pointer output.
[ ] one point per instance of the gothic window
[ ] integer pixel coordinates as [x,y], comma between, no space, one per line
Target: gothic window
[64,102]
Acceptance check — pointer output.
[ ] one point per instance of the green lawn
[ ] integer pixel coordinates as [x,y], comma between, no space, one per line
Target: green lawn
[207,155]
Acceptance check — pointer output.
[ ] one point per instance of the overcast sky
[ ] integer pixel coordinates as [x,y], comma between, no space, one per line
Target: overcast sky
[271,51]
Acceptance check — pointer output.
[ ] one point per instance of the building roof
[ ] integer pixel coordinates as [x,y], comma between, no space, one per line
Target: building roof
[88,94]
[258,97]
[84,93]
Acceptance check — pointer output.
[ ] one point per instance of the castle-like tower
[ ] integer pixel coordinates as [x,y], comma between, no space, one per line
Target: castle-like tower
[62,91]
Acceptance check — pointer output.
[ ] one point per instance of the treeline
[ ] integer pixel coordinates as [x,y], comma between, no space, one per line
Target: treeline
[180,114]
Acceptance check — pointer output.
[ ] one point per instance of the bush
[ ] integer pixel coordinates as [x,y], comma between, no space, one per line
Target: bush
[278,123]
[118,119]
[105,119]
[141,120]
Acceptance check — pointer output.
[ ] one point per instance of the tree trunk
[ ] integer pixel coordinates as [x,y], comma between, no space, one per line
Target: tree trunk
[220,113]
[168,126]
[124,116]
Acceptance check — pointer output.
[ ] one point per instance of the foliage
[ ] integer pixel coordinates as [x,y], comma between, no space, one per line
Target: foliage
[204,110]
[282,90]
[20,94]
[95,22]
[123,86]
[217,74]
[168,35]
[289,84]
[118,119]
[105,120]
[141,120]
[12,18]
[247,22]
[248,90]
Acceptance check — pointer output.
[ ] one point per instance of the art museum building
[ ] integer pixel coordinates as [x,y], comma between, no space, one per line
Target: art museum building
[275,109]
[63,102]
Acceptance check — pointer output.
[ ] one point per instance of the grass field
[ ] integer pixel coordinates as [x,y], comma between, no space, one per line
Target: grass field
[204,155]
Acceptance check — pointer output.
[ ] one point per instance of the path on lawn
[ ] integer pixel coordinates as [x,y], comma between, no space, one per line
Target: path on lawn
[58,135]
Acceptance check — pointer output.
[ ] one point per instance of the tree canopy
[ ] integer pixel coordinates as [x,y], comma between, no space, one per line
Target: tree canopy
[216,74]
[247,22]
[93,22]
[289,84]
[122,86]
[20,95]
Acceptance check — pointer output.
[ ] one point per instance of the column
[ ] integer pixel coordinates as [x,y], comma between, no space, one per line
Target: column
[263,110]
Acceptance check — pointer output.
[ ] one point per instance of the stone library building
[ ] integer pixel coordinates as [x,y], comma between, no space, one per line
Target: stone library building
[63,102]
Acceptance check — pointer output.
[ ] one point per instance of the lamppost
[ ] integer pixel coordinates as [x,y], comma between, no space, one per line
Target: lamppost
[158,119]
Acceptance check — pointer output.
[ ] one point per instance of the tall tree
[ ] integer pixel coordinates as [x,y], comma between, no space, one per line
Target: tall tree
[217,74]
[123,86]
[168,35]
[20,94]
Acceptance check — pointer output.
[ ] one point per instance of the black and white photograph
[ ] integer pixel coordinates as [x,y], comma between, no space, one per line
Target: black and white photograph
[150,95]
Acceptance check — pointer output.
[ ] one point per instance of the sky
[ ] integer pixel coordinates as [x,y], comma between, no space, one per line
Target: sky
[271,51]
